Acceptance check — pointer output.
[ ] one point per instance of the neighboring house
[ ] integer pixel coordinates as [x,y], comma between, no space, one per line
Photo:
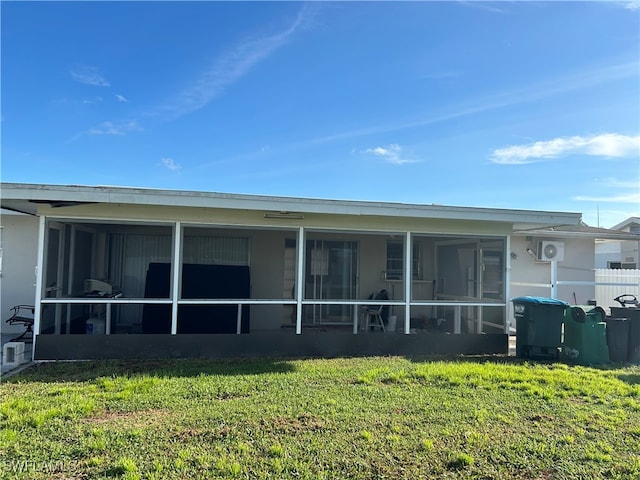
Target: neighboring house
[620,254]
[618,264]
[128,272]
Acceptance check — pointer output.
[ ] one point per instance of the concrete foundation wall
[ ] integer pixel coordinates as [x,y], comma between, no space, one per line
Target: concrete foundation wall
[263,344]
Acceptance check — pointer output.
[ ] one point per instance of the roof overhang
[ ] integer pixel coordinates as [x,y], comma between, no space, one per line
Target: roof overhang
[581,232]
[26,198]
[627,223]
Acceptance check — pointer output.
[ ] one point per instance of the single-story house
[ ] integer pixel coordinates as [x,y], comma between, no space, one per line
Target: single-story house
[620,254]
[574,277]
[131,272]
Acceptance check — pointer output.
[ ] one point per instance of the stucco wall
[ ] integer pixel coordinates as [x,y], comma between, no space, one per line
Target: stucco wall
[267,263]
[256,219]
[577,266]
[19,247]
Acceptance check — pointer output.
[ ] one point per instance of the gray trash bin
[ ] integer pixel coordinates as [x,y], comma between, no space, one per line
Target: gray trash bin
[633,345]
[538,326]
[618,338]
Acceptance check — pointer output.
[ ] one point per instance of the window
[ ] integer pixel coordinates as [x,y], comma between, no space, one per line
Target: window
[395,260]
[622,265]
[212,250]
[331,269]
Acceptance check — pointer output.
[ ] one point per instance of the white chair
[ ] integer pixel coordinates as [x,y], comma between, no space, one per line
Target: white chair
[373,317]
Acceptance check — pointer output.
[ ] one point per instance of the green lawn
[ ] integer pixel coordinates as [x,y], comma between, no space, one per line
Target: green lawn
[363,418]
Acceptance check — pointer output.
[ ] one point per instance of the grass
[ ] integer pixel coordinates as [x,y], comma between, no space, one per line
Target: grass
[363,418]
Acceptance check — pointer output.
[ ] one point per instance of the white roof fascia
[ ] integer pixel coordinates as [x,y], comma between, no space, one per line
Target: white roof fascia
[143,196]
[565,234]
[11,212]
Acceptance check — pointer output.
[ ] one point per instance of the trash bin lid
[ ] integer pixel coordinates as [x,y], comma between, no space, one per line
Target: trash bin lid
[540,301]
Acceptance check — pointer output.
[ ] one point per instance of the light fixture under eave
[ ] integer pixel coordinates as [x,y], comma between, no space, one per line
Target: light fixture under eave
[285,215]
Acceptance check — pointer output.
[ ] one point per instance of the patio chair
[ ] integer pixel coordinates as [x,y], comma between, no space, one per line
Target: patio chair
[375,315]
[23,315]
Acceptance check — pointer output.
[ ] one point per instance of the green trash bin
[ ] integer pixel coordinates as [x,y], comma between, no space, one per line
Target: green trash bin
[585,336]
[633,345]
[538,326]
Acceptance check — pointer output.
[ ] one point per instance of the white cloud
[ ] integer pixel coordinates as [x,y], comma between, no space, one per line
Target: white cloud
[121,98]
[603,145]
[529,93]
[614,193]
[482,6]
[441,75]
[632,198]
[231,66]
[630,4]
[613,145]
[89,101]
[391,154]
[170,163]
[110,128]
[89,76]
[620,184]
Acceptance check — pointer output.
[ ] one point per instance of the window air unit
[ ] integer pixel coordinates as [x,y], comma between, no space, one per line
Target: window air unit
[551,251]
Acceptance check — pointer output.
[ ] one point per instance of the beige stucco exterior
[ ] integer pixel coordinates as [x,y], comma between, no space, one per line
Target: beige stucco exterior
[271,223]
[19,259]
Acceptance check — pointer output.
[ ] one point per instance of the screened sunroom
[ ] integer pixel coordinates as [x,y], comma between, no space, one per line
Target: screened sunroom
[133,272]
[145,278]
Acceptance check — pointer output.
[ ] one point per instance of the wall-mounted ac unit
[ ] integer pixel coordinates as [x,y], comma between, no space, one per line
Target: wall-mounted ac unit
[551,251]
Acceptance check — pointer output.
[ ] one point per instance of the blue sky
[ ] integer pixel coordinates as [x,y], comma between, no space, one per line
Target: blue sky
[520,105]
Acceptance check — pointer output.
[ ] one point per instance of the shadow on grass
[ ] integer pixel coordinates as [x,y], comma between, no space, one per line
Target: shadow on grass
[487,358]
[510,359]
[79,371]
[630,378]
[56,372]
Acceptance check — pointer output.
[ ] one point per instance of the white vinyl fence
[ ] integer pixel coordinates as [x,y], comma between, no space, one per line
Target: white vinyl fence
[611,283]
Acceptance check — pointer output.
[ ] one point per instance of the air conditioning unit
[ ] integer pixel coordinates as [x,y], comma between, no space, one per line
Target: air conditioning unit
[551,251]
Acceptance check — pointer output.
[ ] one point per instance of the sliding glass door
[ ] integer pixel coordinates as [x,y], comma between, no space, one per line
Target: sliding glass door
[331,274]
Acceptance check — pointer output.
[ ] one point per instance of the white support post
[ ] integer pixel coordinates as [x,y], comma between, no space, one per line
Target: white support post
[107,329]
[62,258]
[39,271]
[177,275]
[355,319]
[457,319]
[72,266]
[408,275]
[507,285]
[239,320]
[554,279]
[300,244]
